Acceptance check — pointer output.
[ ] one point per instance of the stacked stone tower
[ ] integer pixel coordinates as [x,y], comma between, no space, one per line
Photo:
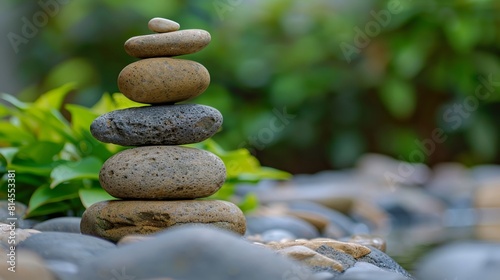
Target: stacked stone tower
[159,182]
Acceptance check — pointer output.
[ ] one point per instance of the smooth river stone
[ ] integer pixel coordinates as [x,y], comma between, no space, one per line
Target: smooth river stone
[157,125]
[168,44]
[162,25]
[163,80]
[162,172]
[115,219]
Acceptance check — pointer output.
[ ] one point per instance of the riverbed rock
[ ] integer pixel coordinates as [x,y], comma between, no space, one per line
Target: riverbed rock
[355,250]
[10,234]
[365,271]
[163,25]
[61,224]
[64,252]
[194,252]
[461,260]
[162,172]
[368,240]
[157,125]
[168,44]
[312,259]
[28,265]
[382,260]
[163,80]
[113,220]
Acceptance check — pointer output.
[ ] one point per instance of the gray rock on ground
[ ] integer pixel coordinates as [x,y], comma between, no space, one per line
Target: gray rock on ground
[193,252]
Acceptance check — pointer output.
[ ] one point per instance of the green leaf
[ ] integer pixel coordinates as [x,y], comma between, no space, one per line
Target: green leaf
[14,134]
[225,192]
[121,102]
[45,195]
[463,32]
[14,101]
[483,138]
[249,203]
[47,209]
[22,166]
[81,117]
[51,125]
[93,195]
[8,153]
[398,97]
[40,152]
[261,173]
[4,110]
[87,168]
[53,99]
[104,105]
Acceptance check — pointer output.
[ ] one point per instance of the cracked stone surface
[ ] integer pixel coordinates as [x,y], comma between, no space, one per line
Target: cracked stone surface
[115,219]
[157,125]
[162,172]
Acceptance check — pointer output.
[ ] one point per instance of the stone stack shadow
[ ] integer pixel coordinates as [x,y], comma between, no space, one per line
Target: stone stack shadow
[158,183]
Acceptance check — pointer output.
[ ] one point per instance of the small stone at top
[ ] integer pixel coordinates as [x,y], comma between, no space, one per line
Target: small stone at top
[162,25]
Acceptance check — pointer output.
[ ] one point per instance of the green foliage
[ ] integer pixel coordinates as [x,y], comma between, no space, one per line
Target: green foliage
[286,53]
[57,162]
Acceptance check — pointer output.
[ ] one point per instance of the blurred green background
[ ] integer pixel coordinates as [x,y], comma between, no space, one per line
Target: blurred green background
[304,85]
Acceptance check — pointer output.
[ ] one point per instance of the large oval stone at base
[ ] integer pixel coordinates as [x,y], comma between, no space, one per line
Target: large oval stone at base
[115,219]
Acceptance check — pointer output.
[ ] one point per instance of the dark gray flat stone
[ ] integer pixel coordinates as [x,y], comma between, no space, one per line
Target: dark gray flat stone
[157,125]
[63,252]
[382,260]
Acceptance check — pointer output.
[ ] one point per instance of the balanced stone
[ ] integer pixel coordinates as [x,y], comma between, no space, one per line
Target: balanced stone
[157,125]
[113,220]
[163,80]
[162,25]
[162,172]
[168,44]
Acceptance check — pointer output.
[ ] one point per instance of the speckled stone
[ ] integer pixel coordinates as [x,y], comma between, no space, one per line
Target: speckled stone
[157,125]
[162,172]
[168,44]
[163,80]
[115,219]
[162,25]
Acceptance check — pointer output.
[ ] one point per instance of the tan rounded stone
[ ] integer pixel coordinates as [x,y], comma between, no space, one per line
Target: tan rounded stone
[115,219]
[20,234]
[162,172]
[311,258]
[369,240]
[168,44]
[353,249]
[28,265]
[162,25]
[163,80]
[487,195]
